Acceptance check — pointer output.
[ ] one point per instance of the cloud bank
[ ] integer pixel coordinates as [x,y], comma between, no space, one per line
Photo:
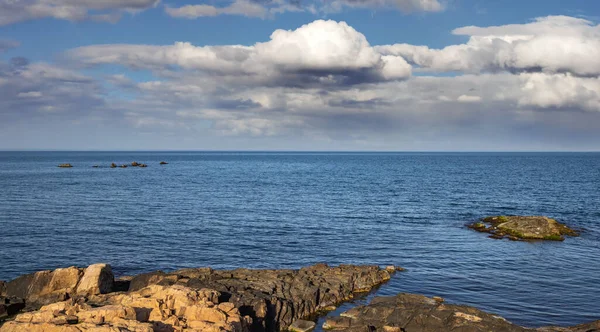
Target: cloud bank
[269,8]
[12,11]
[523,86]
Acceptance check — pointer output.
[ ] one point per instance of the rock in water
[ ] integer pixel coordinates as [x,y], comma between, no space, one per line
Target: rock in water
[302,326]
[113,165]
[410,312]
[523,228]
[97,279]
[65,165]
[164,163]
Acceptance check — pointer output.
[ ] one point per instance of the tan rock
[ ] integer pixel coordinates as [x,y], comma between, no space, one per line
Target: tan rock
[97,279]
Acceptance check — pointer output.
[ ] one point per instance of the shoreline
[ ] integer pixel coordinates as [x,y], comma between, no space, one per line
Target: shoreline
[256,300]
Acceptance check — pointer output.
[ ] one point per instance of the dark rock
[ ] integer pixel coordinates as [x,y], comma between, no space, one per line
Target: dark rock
[417,313]
[164,163]
[65,165]
[135,164]
[113,165]
[10,306]
[143,165]
[302,326]
[123,166]
[517,228]
[2,288]
[274,299]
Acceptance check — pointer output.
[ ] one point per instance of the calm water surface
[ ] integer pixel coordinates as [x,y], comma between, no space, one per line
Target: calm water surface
[287,210]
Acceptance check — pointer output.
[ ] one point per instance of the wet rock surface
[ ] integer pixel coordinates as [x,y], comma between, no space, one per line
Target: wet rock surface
[519,228]
[418,313]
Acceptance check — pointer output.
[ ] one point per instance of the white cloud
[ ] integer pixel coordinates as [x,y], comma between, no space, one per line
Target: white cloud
[266,9]
[468,99]
[321,53]
[12,11]
[322,85]
[402,5]
[560,91]
[554,44]
[29,94]
[239,7]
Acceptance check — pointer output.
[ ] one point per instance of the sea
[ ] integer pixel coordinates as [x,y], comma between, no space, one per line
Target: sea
[292,209]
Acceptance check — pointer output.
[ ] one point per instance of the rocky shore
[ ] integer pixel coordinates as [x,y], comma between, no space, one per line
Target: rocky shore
[241,300]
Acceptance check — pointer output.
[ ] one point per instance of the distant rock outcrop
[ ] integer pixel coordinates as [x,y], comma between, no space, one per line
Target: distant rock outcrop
[523,228]
[65,165]
[164,163]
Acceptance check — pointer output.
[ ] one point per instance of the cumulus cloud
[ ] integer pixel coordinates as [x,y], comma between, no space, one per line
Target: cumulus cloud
[319,53]
[72,10]
[554,44]
[321,85]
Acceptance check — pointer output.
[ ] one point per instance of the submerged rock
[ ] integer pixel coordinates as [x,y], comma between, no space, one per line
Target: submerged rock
[523,228]
[418,313]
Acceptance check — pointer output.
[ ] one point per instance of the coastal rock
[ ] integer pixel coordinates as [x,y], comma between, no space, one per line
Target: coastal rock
[46,287]
[155,308]
[409,312]
[273,299]
[418,313]
[164,163]
[523,228]
[97,279]
[2,288]
[65,165]
[10,306]
[302,326]
[113,165]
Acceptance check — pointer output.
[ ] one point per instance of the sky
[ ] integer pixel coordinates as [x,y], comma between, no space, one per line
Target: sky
[317,75]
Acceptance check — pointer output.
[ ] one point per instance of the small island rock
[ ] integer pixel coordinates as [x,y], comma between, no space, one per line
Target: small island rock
[523,228]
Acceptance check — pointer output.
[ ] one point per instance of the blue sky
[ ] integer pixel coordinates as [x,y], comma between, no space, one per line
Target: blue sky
[311,75]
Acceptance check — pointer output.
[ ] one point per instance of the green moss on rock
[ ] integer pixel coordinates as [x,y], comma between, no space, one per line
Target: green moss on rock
[523,228]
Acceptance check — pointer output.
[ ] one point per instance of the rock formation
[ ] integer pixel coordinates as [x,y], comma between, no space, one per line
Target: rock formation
[65,165]
[523,228]
[417,313]
[236,300]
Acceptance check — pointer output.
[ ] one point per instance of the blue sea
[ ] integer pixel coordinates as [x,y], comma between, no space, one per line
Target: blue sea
[288,210]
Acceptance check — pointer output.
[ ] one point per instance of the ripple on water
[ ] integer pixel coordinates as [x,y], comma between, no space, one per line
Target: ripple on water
[284,210]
